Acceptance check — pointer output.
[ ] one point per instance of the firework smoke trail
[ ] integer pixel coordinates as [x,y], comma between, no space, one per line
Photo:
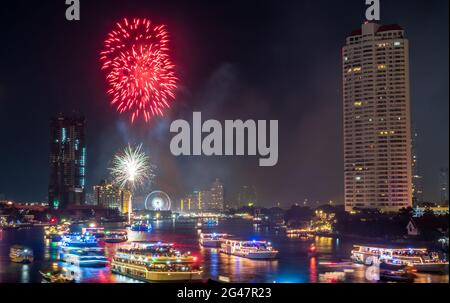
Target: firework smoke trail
[131,167]
[140,74]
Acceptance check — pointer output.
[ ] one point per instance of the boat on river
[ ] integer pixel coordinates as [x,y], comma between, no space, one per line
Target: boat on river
[76,240]
[249,249]
[155,262]
[57,274]
[419,258]
[84,257]
[214,240]
[21,254]
[115,236]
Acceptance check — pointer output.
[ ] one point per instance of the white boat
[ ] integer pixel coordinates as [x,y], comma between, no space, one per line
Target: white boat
[85,257]
[249,249]
[212,240]
[79,240]
[419,258]
[97,232]
[155,262]
[115,236]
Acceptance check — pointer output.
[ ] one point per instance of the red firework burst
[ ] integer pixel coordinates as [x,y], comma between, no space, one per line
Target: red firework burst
[140,74]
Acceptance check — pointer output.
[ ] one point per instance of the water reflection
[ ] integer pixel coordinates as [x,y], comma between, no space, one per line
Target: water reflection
[292,266]
[25,274]
[245,270]
[313,270]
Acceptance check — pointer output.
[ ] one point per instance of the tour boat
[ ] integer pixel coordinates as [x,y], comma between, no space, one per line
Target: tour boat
[249,249]
[79,240]
[419,258]
[115,237]
[21,254]
[155,262]
[212,240]
[84,257]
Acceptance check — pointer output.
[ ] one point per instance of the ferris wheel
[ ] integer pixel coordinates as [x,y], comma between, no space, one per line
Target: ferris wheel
[157,200]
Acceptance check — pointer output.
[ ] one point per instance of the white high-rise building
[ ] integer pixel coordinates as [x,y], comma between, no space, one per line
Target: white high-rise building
[377,126]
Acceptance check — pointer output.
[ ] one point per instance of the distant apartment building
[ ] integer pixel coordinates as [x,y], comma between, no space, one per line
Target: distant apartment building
[377,126]
[110,196]
[247,196]
[67,178]
[206,200]
[191,202]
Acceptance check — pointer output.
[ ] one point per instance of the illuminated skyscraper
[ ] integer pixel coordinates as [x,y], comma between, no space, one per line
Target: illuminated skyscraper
[217,199]
[377,123]
[67,162]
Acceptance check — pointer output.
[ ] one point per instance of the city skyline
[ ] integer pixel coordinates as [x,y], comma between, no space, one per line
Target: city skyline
[224,78]
[224,150]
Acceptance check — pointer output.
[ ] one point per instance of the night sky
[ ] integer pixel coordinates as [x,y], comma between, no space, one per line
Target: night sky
[235,60]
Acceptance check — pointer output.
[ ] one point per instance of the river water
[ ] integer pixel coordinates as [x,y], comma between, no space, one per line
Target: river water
[292,265]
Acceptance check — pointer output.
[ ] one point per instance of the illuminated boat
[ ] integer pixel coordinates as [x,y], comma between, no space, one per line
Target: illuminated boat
[396,273]
[21,254]
[56,274]
[55,233]
[97,232]
[76,240]
[84,257]
[115,237]
[249,249]
[299,233]
[155,262]
[212,240]
[207,222]
[419,258]
[141,226]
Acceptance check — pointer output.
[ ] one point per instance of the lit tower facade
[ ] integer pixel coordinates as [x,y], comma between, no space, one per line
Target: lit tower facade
[377,122]
[67,162]
[110,196]
[217,199]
